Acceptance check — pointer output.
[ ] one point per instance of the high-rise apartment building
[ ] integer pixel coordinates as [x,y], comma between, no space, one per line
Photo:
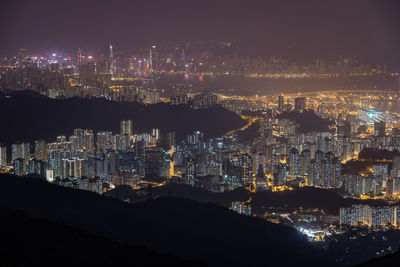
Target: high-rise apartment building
[20,151]
[3,156]
[126,127]
[300,104]
[40,150]
[281,103]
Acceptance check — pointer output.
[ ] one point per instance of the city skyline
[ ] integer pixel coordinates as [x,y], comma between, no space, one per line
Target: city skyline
[200,133]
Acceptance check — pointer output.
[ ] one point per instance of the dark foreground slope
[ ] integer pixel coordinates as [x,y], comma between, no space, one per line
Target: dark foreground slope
[387,260]
[182,227]
[40,242]
[30,116]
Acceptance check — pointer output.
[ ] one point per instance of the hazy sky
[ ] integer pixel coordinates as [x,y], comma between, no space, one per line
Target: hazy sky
[364,28]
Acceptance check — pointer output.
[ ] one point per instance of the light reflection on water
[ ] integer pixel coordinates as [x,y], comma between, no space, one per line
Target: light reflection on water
[390,106]
[241,85]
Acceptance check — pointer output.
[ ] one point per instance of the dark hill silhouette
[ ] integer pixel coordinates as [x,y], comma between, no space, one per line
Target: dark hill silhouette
[357,166]
[308,121]
[27,116]
[182,227]
[306,197]
[387,260]
[377,154]
[40,242]
[309,197]
[367,158]
[248,135]
[126,192]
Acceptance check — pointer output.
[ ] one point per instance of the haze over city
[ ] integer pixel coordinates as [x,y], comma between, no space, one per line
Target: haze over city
[298,29]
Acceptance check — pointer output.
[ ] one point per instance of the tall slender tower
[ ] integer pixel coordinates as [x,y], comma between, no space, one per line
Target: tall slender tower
[111,60]
[3,156]
[281,102]
[183,55]
[79,57]
[151,59]
[79,64]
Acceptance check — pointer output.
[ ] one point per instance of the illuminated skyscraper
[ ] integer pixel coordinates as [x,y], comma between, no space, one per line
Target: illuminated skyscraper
[101,66]
[344,129]
[190,172]
[37,167]
[281,103]
[171,138]
[196,138]
[389,187]
[155,135]
[40,150]
[279,175]
[140,155]
[3,156]
[79,57]
[104,141]
[126,127]
[87,73]
[73,167]
[396,167]
[20,151]
[299,104]
[122,142]
[396,186]
[379,128]
[294,162]
[151,58]
[79,133]
[183,55]
[305,162]
[241,208]
[22,56]
[112,161]
[55,163]
[19,167]
[247,173]
[111,60]
[88,141]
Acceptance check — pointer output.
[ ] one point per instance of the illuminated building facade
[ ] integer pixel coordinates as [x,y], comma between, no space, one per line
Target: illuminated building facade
[3,156]
[126,127]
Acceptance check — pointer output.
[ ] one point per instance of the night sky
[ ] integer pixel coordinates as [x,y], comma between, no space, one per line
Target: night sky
[368,29]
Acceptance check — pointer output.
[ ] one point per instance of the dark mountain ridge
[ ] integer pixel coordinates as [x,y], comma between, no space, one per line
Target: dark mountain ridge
[185,228]
[28,116]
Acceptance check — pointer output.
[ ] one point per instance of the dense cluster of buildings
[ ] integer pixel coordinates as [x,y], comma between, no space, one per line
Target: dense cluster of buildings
[279,156]
[125,77]
[295,140]
[59,76]
[375,217]
[241,208]
[315,156]
[194,58]
[94,158]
